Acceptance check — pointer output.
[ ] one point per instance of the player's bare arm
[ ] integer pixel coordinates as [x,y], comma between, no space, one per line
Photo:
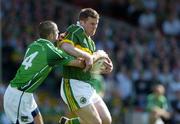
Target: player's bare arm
[79,53]
[79,62]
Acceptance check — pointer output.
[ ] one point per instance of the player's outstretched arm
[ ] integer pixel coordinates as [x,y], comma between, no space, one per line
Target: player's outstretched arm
[79,62]
[79,53]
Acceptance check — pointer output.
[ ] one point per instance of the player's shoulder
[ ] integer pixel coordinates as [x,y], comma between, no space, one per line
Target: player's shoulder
[36,46]
[75,29]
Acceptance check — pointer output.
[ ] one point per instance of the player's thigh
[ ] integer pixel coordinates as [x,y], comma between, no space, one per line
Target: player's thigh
[103,112]
[20,106]
[89,115]
[10,105]
[77,94]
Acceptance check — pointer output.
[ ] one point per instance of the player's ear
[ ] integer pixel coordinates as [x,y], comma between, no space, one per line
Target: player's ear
[51,36]
[81,22]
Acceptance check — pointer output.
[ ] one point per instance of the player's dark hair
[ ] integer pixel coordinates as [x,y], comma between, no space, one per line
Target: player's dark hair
[46,28]
[88,12]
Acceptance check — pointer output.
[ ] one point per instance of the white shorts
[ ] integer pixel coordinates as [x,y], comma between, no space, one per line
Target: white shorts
[77,94]
[21,105]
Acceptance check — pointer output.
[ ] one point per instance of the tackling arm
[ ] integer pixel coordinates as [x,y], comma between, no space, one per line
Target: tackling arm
[77,63]
[79,53]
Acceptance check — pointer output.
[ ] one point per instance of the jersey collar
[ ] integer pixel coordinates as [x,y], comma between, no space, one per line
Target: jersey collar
[78,24]
[42,39]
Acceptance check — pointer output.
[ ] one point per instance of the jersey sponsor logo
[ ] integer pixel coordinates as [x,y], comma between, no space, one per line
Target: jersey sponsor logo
[83,100]
[24,118]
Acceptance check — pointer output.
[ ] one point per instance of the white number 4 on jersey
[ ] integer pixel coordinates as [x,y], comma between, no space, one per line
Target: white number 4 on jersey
[28,60]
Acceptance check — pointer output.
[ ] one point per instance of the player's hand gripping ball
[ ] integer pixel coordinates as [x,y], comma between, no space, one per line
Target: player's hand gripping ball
[101,66]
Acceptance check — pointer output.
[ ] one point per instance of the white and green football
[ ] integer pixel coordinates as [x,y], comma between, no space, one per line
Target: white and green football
[98,66]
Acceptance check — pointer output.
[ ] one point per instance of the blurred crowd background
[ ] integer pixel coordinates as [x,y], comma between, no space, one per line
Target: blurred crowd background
[142,37]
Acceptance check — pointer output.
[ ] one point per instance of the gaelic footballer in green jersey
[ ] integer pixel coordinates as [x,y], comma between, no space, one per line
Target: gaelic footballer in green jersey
[77,88]
[38,62]
[78,38]
[40,57]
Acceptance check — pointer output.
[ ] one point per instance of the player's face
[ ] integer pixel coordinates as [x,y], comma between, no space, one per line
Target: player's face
[90,25]
[56,32]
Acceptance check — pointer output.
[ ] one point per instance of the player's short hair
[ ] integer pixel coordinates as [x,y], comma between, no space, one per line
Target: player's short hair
[88,12]
[46,28]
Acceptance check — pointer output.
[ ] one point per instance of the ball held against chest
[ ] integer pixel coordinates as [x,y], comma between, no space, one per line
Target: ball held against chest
[98,66]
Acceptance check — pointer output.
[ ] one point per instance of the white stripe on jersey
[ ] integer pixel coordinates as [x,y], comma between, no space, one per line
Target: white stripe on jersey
[55,51]
[33,78]
[74,32]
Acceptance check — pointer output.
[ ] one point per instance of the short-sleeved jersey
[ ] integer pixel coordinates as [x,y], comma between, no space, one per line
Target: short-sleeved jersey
[78,38]
[40,58]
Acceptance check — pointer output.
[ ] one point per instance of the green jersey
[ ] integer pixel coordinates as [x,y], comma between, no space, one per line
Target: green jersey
[40,58]
[154,101]
[78,38]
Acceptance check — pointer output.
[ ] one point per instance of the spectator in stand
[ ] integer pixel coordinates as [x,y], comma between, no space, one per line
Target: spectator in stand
[151,4]
[147,20]
[174,86]
[171,26]
[142,89]
[124,85]
[165,76]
